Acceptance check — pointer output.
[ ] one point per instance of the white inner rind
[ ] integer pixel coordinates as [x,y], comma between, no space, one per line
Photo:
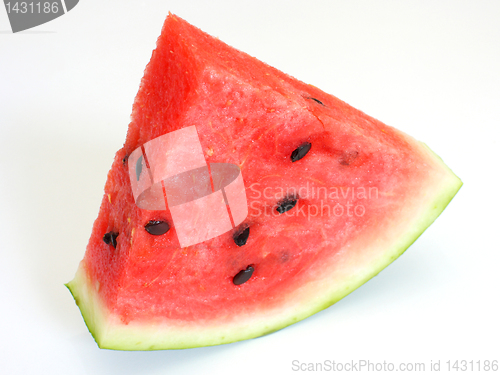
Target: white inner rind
[359,261]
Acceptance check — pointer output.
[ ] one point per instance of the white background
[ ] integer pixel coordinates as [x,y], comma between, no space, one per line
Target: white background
[429,68]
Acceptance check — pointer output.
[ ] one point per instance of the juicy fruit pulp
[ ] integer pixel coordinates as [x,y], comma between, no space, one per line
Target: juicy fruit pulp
[334,196]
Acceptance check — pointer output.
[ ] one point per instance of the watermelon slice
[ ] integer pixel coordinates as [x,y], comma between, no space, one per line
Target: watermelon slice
[331,196]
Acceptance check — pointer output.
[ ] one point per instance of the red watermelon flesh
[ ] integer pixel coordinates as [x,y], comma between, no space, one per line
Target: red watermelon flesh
[356,200]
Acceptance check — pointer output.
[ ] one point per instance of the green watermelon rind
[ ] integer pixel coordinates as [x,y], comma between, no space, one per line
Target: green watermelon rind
[110,333]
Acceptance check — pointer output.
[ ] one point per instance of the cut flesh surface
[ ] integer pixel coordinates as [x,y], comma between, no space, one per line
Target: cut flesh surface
[362,193]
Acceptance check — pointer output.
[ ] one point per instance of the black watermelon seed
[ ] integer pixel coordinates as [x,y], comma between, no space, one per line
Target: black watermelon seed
[316,100]
[110,238]
[243,276]
[300,151]
[156,227]
[138,168]
[286,205]
[241,238]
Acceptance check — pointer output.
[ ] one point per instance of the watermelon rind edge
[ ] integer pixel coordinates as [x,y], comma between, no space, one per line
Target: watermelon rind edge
[110,333]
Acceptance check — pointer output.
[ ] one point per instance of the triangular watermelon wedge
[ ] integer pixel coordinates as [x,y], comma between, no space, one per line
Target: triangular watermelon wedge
[331,196]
